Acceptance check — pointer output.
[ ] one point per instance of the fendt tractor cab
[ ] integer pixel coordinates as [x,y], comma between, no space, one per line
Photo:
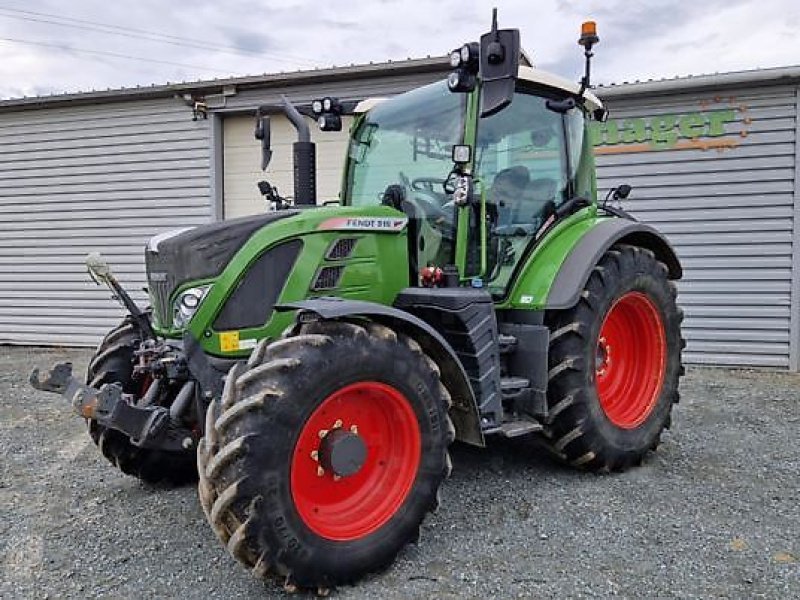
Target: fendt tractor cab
[313,364]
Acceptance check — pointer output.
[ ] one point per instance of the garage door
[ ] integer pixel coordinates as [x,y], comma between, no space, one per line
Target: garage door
[242,162]
[97,178]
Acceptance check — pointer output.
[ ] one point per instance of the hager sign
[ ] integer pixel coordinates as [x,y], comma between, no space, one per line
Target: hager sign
[706,129]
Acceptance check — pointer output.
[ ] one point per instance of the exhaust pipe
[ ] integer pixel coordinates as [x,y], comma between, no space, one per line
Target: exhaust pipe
[305,158]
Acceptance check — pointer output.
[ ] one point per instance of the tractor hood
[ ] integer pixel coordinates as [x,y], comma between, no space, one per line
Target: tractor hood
[220,282]
[197,253]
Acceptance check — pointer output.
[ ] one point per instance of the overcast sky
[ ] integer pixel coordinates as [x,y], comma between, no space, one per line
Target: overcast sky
[49,46]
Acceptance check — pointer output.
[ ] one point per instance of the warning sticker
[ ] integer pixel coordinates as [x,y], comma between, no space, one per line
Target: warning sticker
[229,341]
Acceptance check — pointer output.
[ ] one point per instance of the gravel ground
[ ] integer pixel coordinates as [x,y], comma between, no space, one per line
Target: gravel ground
[714,513]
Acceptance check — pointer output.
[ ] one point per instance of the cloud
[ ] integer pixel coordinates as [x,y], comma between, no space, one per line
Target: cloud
[639,39]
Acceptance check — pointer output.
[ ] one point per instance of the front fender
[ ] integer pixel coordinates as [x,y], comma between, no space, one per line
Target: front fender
[464,411]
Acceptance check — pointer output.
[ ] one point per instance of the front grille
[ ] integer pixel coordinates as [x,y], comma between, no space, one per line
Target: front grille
[161,283]
[327,278]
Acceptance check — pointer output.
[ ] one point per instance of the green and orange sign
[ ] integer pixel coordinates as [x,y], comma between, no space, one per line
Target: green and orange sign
[716,126]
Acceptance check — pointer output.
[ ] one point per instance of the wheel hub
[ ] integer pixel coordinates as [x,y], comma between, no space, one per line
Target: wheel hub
[355,460]
[342,452]
[602,356]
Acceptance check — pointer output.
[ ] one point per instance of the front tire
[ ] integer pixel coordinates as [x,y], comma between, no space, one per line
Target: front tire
[614,363]
[325,453]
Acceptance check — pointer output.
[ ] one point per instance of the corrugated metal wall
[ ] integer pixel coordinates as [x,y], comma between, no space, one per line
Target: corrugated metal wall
[727,210]
[79,179]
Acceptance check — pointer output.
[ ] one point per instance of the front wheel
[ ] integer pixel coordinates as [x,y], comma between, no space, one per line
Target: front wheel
[614,363]
[113,363]
[325,452]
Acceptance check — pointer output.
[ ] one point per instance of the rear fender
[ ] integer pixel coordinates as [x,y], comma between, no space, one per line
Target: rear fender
[464,411]
[577,267]
[554,274]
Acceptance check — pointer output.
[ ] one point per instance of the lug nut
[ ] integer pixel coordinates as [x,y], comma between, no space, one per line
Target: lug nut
[338,424]
[320,471]
[315,455]
[354,429]
[322,433]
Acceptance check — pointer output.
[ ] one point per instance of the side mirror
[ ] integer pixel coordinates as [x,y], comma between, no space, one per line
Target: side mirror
[262,133]
[622,192]
[600,114]
[499,66]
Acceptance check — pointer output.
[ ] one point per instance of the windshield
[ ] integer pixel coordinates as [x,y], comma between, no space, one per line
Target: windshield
[408,141]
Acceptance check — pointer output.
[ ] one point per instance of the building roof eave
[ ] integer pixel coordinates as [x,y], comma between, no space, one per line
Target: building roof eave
[207,87]
[771,76]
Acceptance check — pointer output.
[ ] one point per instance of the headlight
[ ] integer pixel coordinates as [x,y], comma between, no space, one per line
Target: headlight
[453,80]
[186,304]
[455,59]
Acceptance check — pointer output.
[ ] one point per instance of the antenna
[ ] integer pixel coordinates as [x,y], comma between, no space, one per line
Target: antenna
[495,52]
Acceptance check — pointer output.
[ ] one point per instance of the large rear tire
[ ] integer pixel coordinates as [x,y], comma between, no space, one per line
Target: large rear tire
[325,452]
[113,363]
[614,363]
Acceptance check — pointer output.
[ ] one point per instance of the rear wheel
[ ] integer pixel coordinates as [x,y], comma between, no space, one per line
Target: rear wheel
[614,363]
[325,453]
[113,363]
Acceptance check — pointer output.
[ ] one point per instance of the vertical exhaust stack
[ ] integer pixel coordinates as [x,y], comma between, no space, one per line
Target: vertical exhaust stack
[305,158]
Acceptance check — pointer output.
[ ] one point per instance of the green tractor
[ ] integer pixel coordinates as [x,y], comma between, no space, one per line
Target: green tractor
[313,364]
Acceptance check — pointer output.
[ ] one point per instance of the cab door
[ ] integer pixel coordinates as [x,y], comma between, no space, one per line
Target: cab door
[526,166]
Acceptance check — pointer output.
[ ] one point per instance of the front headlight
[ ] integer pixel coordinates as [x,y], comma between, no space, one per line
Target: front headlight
[186,304]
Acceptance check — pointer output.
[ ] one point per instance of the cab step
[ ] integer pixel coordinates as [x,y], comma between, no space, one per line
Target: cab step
[506,343]
[513,429]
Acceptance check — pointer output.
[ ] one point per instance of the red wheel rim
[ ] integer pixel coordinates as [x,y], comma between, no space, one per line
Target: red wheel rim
[354,506]
[630,360]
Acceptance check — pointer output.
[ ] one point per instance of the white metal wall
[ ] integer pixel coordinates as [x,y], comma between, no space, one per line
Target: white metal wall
[79,179]
[729,214]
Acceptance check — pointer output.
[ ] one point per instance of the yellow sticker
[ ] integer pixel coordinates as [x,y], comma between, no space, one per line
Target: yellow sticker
[229,341]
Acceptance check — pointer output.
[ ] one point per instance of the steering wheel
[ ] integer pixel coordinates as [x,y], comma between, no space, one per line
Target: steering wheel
[425,184]
[427,202]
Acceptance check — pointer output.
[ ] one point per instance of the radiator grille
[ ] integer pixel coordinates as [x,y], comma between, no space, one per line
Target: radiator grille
[161,281]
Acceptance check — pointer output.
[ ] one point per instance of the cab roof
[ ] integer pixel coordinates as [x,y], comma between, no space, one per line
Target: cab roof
[560,83]
[526,73]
